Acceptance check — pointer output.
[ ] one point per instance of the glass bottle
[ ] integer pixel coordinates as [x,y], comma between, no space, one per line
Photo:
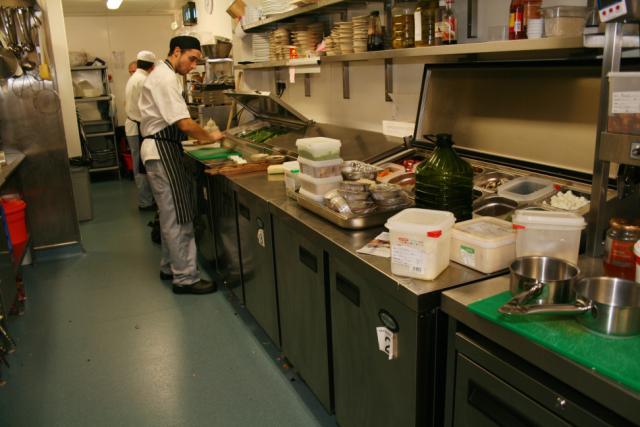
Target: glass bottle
[516,20]
[447,26]
[375,37]
[445,181]
[426,18]
[619,260]
[403,31]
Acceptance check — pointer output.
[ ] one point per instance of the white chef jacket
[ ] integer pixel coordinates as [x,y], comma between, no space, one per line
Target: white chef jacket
[131,97]
[161,104]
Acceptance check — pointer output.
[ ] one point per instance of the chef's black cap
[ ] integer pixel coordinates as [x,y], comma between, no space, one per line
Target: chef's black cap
[184,43]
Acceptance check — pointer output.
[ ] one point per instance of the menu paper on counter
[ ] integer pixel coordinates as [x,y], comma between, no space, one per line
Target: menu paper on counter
[380,246]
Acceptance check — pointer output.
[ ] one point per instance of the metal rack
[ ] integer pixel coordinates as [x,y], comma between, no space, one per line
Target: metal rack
[100,134]
[610,148]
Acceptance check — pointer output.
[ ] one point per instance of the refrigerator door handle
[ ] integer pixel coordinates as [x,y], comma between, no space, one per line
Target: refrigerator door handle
[308,259]
[348,289]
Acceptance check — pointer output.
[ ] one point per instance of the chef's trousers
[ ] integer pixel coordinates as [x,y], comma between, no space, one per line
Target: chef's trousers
[145,197]
[179,256]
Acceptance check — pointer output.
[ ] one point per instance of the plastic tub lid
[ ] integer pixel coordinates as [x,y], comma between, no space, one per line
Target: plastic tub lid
[526,188]
[320,163]
[486,232]
[525,218]
[327,180]
[318,141]
[421,221]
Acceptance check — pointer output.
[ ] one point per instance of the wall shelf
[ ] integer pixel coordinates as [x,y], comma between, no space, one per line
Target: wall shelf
[89,68]
[301,62]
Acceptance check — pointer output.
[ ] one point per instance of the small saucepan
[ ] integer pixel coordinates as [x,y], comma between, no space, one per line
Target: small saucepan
[542,280]
[608,305]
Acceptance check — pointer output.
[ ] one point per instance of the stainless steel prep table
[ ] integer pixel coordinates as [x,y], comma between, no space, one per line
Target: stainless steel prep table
[572,391]
[368,388]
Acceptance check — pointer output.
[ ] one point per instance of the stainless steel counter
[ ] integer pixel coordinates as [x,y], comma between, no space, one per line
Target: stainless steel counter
[14,159]
[609,393]
[345,243]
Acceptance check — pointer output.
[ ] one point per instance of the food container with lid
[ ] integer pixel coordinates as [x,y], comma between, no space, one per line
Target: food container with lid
[484,244]
[624,102]
[420,242]
[291,181]
[619,259]
[318,198]
[526,189]
[320,168]
[319,186]
[318,148]
[564,21]
[354,170]
[548,233]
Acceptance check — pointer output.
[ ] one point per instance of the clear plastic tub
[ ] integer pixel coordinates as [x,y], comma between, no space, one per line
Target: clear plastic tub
[318,148]
[526,189]
[291,181]
[315,197]
[321,168]
[420,242]
[319,186]
[564,21]
[551,234]
[624,102]
[484,244]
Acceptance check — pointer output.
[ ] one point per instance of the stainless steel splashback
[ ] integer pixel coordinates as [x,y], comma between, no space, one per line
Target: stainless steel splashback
[31,122]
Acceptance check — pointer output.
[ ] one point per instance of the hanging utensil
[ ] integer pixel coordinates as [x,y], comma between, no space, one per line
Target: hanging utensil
[608,305]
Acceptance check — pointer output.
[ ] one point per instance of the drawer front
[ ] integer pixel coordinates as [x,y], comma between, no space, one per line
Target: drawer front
[483,400]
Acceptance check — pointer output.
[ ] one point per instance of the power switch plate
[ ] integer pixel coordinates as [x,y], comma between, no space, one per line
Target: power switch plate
[635,151]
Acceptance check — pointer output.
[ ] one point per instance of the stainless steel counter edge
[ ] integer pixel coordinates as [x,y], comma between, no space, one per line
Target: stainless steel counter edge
[413,293]
[609,393]
[14,159]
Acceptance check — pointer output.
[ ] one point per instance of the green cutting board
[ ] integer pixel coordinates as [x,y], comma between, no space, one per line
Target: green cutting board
[212,153]
[615,357]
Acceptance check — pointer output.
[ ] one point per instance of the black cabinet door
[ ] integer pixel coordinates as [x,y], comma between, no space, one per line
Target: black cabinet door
[258,273]
[370,390]
[484,400]
[302,295]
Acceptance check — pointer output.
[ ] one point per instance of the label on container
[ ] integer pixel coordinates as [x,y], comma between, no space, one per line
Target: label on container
[468,255]
[487,230]
[387,342]
[409,253]
[620,253]
[625,102]
[417,17]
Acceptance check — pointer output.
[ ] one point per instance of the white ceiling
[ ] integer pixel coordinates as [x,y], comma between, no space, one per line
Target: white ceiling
[128,7]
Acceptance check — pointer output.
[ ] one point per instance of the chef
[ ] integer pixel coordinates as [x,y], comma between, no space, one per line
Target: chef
[145,61]
[165,123]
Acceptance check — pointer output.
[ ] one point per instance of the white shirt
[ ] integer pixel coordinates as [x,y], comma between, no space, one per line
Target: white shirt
[131,98]
[161,104]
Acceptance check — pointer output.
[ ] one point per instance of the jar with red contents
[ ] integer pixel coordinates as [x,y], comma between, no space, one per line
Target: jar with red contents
[619,260]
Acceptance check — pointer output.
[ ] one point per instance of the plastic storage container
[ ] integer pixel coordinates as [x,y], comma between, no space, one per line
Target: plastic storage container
[15,216]
[551,234]
[291,181]
[526,189]
[420,242]
[624,102]
[315,197]
[319,186]
[321,168]
[484,244]
[564,21]
[319,148]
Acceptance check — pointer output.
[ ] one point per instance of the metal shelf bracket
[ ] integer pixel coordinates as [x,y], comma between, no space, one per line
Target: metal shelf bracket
[388,80]
[307,85]
[345,80]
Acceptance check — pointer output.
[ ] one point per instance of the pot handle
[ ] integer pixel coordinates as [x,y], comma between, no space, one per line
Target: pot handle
[579,307]
[522,297]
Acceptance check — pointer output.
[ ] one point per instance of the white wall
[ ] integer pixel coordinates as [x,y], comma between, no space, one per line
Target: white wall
[117,40]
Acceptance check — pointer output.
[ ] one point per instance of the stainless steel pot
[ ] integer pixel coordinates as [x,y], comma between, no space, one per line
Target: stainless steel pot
[608,305]
[542,280]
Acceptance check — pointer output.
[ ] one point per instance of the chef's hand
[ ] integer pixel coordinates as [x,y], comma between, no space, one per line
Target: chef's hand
[216,135]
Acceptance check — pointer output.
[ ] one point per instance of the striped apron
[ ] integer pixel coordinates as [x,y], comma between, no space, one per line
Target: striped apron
[168,141]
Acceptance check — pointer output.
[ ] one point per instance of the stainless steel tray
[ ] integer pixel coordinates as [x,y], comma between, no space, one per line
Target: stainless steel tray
[350,222]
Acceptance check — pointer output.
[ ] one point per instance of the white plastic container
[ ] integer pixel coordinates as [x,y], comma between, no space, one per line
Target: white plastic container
[420,242]
[485,244]
[526,189]
[319,186]
[636,252]
[624,102]
[545,233]
[315,197]
[321,168]
[318,148]
[291,181]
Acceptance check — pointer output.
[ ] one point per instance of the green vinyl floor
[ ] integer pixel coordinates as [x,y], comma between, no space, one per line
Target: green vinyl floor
[104,342]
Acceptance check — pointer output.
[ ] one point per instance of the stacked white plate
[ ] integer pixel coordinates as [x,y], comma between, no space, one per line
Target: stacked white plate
[360,29]
[260,47]
[251,15]
[279,44]
[345,37]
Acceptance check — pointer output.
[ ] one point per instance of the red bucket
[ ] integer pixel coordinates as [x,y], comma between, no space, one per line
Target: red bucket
[128,161]
[14,210]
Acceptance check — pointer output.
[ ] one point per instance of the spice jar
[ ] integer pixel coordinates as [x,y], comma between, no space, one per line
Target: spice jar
[619,260]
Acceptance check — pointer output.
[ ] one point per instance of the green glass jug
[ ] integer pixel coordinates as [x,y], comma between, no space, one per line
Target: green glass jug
[445,181]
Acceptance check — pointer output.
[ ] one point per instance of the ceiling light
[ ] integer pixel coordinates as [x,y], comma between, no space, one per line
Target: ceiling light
[113,4]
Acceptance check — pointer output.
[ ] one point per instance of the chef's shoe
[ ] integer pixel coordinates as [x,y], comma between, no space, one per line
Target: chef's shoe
[166,276]
[201,287]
